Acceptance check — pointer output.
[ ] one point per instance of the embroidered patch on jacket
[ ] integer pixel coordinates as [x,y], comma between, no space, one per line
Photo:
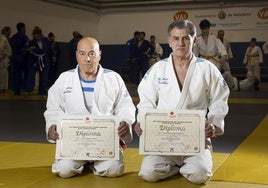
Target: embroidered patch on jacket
[107,70]
[126,94]
[223,83]
[162,80]
[68,90]
[147,73]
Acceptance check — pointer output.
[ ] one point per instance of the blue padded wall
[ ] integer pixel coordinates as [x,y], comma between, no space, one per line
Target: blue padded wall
[113,57]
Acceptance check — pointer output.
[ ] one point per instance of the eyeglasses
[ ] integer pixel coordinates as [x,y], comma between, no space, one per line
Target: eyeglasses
[90,54]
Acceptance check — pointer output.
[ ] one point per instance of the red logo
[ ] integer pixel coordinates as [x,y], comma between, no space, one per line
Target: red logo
[171,114]
[263,13]
[87,120]
[181,15]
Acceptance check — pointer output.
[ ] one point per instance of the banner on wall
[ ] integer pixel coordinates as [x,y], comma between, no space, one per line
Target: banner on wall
[242,18]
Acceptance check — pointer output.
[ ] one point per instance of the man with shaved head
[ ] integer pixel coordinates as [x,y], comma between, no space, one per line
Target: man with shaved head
[89,89]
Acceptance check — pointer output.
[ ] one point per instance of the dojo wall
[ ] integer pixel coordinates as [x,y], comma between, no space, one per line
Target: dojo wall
[114,29]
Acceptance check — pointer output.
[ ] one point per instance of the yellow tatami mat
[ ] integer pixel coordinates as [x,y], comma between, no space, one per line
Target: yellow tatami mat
[29,165]
[249,162]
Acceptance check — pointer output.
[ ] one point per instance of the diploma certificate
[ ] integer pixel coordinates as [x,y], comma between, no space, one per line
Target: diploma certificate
[87,137]
[180,132]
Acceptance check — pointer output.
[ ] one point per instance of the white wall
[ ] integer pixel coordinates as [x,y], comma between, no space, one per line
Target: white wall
[62,21]
[117,28]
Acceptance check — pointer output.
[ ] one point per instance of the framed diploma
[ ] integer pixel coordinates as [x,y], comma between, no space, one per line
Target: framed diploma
[180,132]
[84,137]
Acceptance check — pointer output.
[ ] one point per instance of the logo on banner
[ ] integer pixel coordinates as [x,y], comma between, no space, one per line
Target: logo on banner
[222,15]
[263,13]
[181,15]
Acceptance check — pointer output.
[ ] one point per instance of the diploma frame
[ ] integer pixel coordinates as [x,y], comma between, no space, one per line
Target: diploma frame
[167,132]
[87,137]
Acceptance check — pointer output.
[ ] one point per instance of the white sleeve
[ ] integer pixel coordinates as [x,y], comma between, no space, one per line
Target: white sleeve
[218,107]
[159,49]
[148,92]
[265,47]
[221,48]
[53,106]
[229,51]
[260,55]
[125,108]
[245,60]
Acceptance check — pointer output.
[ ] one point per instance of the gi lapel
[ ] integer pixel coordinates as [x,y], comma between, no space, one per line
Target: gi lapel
[186,84]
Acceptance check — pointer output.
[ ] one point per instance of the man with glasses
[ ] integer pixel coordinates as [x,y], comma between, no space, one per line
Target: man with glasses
[89,89]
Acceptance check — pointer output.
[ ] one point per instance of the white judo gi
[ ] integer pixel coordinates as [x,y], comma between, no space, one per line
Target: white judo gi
[204,89]
[110,98]
[253,57]
[248,83]
[157,54]
[5,53]
[228,49]
[265,47]
[212,51]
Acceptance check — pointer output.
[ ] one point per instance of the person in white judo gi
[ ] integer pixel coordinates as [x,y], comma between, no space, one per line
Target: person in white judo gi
[5,53]
[183,82]
[265,48]
[209,47]
[253,58]
[89,89]
[247,84]
[226,44]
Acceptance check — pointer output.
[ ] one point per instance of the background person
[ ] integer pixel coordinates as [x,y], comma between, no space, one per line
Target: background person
[209,47]
[7,32]
[265,47]
[72,45]
[253,58]
[41,57]
[19,58]
[5,53]
[140,64]
[130,46]
[247,84]
[157,53]
[226,44]
[53,69]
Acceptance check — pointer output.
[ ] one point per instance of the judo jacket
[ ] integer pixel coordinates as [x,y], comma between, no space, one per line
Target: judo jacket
[111,97]
[204,88]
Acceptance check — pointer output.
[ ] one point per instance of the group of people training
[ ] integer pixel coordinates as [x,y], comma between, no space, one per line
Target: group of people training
[218,51]
[141,54]
[182,81]
[214,48]
[26,58]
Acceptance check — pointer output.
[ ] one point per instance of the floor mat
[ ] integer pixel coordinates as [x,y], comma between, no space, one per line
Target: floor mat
[249,162]
[28,165]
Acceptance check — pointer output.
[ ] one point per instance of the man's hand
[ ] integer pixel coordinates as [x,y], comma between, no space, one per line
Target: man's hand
[124,132]
[223,59]
[138,129]
[123,129]
[209,130]
[52,133]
